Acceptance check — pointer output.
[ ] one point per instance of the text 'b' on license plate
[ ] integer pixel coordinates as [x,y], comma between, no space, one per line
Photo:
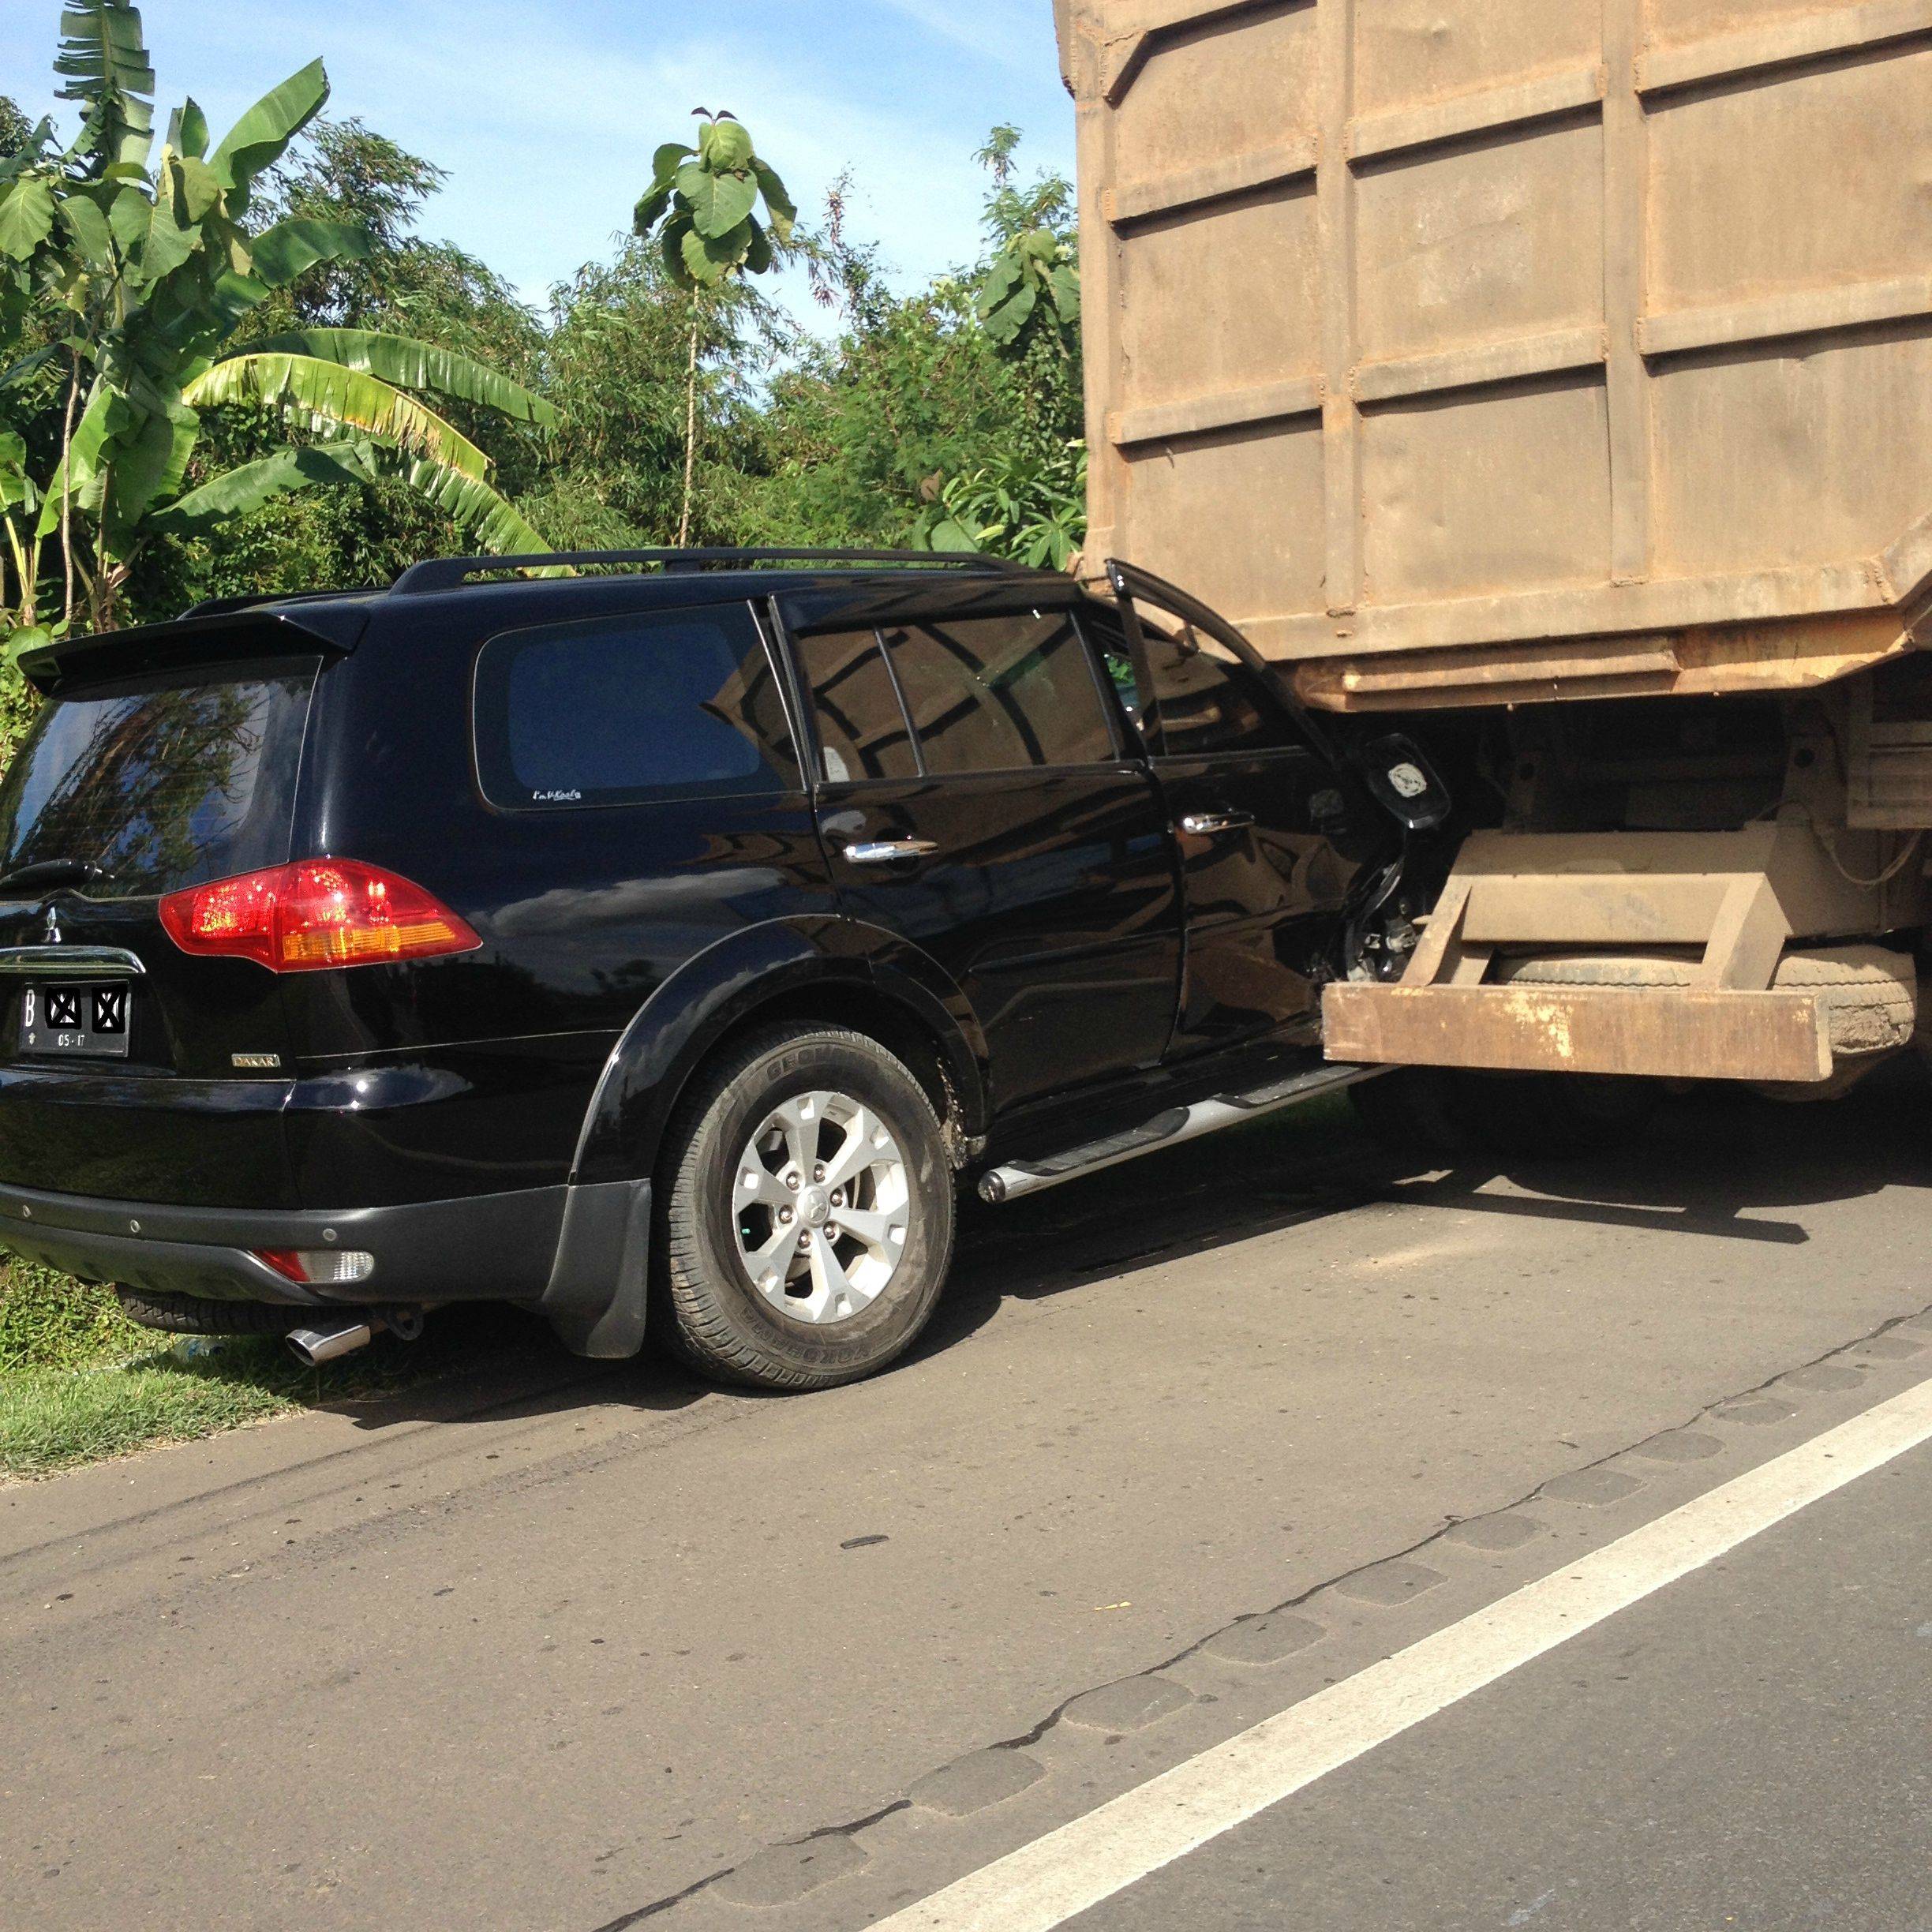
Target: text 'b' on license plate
[76,1017]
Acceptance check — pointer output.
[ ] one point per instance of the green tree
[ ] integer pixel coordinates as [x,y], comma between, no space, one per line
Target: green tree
[341,171]
[616,366]
[16,129]
[922,425]
[701,210]
[152,267]
[1031,286]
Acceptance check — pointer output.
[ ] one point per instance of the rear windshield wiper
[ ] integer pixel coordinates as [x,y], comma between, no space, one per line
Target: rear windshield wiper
[45,874]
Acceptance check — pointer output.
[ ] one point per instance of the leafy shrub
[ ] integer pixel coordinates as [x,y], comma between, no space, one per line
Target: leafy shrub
[50,1321]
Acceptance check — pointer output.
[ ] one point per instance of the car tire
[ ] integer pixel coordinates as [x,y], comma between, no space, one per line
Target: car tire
[194,1315]
[757,1280]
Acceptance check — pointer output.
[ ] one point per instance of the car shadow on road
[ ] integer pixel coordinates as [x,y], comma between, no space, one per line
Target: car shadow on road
[486,1362]
[1715,1164]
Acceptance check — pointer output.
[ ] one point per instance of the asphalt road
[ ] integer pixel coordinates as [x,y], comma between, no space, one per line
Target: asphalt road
[1751,1747]
[575,1648]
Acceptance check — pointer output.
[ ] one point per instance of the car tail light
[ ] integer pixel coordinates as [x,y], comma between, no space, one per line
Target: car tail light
[316,913]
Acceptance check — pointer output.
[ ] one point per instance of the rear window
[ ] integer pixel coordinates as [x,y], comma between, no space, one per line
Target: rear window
[622,710]
[176,782]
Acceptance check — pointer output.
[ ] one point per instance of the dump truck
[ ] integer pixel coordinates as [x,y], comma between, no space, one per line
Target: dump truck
[1557,377]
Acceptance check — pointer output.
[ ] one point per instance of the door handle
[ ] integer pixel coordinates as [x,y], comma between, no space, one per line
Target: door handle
[885,851]
[1210,824]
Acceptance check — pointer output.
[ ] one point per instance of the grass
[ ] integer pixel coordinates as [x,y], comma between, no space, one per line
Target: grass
[53,1419]
[80,1381]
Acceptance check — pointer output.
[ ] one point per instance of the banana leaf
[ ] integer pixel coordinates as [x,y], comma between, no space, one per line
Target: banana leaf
[412,365]
[104,61]
[258,139]
[292,247]
[247,488]
[328,395]
[493,523]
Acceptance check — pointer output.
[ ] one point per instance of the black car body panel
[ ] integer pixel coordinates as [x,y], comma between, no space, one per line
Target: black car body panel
[732,981]
[489,1122]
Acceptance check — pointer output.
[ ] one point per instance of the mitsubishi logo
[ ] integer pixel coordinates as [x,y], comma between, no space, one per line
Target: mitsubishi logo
[53,926]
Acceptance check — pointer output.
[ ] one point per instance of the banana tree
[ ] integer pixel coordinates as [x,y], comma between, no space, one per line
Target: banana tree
[702,209]
[138,272]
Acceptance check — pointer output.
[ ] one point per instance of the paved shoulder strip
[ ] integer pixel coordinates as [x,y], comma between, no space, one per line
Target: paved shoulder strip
[1057,1877]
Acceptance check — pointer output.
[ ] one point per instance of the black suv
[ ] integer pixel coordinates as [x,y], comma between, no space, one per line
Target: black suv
[663,934]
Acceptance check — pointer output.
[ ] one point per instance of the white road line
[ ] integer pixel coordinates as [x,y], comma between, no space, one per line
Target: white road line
[1044,1883]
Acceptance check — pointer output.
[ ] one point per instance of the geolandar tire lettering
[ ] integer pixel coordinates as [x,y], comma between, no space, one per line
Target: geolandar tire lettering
[807,1212]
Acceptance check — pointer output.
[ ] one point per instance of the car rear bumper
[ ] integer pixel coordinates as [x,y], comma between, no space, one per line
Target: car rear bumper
[578,1255]
[490,1246]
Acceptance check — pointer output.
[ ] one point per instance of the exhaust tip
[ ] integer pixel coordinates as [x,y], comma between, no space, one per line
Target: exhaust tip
[313,1347]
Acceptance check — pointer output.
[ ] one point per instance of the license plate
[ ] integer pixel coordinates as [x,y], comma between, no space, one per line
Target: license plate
[78,1018]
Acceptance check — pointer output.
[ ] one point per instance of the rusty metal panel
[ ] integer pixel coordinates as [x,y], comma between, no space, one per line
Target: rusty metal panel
[1576,349]
[1246,505]
[1220,298]
[1463,494]
[1410,50]
[1495,237]
[1672,1033]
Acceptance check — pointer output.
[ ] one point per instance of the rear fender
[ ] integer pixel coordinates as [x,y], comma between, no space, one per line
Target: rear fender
[726,985]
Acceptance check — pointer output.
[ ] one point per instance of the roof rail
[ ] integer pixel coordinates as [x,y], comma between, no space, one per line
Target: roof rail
[452,573]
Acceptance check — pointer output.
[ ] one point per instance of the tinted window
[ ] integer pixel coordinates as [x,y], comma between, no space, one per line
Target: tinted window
[619,709]
[1209,700]
[163,787]
[862,727]
[994,693]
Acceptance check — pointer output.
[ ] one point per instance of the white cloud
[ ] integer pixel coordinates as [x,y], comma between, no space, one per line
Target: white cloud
[997,32]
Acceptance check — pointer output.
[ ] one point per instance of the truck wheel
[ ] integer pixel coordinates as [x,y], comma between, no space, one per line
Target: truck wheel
[808,1215]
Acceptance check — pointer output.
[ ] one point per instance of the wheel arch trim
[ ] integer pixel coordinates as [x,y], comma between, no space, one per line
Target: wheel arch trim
[721,988]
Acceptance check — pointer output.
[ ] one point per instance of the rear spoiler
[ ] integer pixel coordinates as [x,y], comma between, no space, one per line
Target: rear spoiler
[54,670]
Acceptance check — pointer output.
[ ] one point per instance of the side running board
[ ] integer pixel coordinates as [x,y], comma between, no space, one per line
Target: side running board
[1167,1129]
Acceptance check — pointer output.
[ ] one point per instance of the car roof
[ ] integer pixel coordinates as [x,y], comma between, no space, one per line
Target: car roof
[445,588]
[835,593]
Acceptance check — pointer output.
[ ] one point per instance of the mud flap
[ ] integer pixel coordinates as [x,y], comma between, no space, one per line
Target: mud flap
[599,1283]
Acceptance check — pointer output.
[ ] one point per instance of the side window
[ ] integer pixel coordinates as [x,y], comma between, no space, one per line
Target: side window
[1108,636]
[863,732]
[625,709]
[1209,701]
[997,694]
[944,697]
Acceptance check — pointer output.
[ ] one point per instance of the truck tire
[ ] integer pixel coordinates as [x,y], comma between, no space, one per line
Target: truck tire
[807,1213]
[192,1315]
[1871,992]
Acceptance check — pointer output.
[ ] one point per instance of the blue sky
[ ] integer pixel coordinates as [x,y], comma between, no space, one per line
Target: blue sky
[546,113]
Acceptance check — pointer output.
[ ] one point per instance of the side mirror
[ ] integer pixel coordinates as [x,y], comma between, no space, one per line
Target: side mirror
[1405,785]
